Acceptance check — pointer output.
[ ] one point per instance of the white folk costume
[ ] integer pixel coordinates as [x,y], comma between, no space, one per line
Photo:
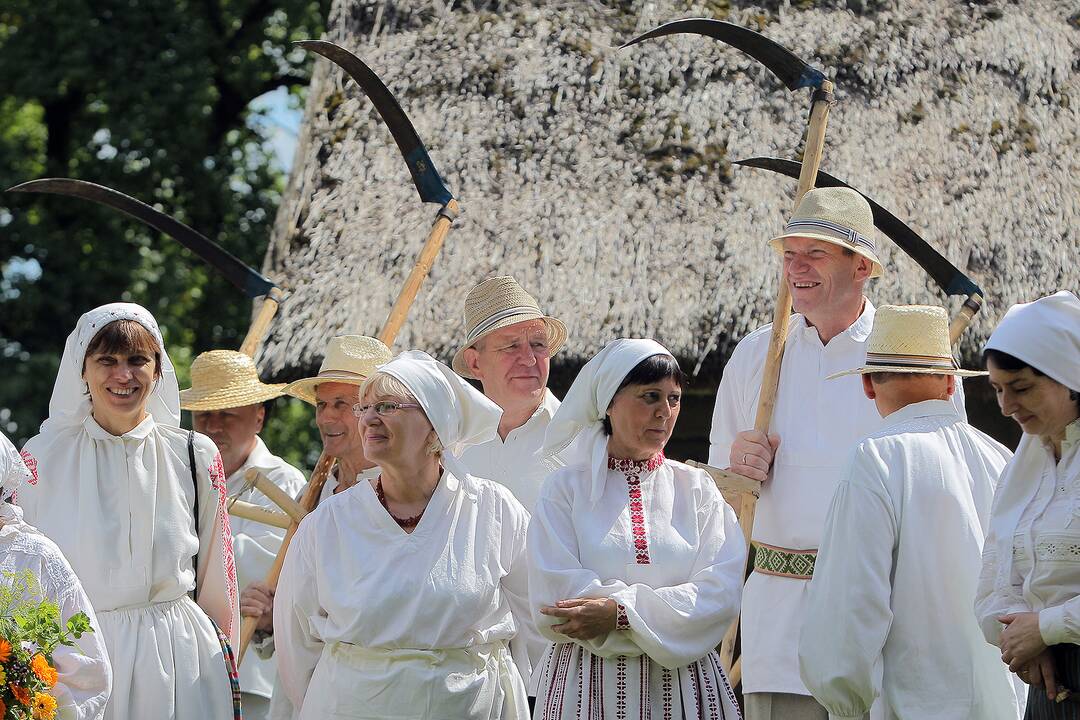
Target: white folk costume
[1031,561]
[655,536]
[85,678]
[121,510]
[411,625]
[819,422]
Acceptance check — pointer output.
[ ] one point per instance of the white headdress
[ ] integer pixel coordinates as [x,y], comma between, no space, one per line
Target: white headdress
[13,473]
[583,410]
[70,405]
[461,414]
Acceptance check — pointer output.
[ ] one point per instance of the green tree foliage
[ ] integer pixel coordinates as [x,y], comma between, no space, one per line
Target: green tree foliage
[151,97]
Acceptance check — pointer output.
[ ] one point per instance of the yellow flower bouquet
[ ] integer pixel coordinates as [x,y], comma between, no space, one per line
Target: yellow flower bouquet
[30,630]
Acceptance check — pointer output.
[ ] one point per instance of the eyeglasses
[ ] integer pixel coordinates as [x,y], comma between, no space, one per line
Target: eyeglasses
[382,409]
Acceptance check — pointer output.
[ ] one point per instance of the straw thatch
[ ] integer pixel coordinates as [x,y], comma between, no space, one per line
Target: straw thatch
[602,179]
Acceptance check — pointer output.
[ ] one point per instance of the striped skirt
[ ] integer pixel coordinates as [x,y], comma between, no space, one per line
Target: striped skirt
[577,685]
[1067,669]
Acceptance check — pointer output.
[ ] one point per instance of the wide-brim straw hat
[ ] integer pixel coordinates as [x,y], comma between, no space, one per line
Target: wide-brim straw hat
[496,303]
[836,215]
[349,359]
[223,379]
[910,339]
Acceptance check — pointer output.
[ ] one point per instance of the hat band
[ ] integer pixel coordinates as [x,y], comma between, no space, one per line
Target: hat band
[331,374]
[490,321]
[852,237]
[935,362]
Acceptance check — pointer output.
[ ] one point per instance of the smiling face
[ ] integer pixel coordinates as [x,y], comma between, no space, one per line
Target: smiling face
[335,420]
[1039,405]
[121,367]
[401,439]
[824,279]
[642,418]
[233,430]
[512,363]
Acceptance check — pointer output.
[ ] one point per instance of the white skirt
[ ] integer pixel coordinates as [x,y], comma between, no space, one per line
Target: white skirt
[167,663]
[574,684]
[479,683]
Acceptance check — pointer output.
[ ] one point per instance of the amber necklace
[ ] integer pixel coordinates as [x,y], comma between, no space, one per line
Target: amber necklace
[403,523]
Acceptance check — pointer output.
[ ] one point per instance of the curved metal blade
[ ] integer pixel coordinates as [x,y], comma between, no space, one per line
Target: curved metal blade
[252,283]
[943,272]
[783,63]
[428,182]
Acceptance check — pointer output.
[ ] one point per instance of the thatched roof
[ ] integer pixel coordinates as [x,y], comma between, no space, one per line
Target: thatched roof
[601,178]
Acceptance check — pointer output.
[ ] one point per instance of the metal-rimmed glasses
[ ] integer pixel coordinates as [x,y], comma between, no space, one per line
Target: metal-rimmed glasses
[381,408]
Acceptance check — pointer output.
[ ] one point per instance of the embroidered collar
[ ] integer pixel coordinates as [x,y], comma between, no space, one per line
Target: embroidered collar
[635,467]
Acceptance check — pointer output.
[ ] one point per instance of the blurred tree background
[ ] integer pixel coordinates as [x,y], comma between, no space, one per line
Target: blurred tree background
[153,98]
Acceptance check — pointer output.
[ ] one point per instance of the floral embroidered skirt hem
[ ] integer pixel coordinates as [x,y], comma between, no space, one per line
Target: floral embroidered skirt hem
[577,685]
[1067,667]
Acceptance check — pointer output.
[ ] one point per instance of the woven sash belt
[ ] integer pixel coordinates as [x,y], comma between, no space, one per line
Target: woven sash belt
[785,562]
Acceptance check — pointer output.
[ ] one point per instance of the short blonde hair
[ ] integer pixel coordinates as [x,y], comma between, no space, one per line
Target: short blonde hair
[382,384]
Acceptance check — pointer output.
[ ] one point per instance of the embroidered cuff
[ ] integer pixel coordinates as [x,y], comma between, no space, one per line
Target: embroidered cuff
[1052,625]
[621,623]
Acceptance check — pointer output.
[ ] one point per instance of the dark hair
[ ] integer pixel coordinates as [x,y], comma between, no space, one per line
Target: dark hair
[1011,363]
[650,370]
[124,337]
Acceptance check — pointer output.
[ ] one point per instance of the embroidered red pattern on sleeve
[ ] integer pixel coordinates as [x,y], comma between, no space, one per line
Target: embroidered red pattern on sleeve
[621,622]
[217,481]
[31,464]
[633,470]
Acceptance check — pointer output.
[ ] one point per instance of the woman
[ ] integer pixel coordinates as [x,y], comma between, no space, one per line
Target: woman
[1027,600]
[414,620]
[137,506]
[84,677]
[635,561]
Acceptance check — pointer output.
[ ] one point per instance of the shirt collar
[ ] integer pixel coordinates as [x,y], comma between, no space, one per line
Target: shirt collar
[926,408]
[857,331]
[1072,437]
[139,432]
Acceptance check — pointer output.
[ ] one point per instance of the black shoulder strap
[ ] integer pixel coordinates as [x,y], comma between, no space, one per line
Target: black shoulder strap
[195,485]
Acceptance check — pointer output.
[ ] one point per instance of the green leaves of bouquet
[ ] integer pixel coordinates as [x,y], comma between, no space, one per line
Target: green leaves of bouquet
[30,630]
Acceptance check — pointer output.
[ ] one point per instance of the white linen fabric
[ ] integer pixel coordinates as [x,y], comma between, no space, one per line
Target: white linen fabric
[255,546]
[518,461]
[896,571]
[85,678]
[819,422]
[461,415]
[14,473]
[120,508]
[675,568]
[406,625]
[579,418]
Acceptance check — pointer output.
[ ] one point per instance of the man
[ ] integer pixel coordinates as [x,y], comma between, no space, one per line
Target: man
[508,348]
[829,255]
[228,403]
[902,548]
[348,361]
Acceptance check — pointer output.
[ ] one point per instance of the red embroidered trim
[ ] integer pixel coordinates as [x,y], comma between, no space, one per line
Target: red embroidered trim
[621,623]
[217,481]
[665,690]
[633,470]
[620,687]
[31,464]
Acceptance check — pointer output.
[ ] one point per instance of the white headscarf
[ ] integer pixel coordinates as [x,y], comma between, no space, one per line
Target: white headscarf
[70,405]
[13,474]
[585,406]
[461,415]
[1044,334]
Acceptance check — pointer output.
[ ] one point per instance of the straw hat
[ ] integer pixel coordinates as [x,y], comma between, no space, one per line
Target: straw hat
[910,339]
[837,215]
[349,359]
[222,379]
[496,303]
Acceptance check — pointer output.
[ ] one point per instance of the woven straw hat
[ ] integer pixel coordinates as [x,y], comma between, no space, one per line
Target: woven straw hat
[910,339]
[836,215]
[496,303]
[223,379]
[349,359]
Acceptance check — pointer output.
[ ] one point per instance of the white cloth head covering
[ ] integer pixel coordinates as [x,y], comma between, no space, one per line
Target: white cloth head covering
[461,414]
[585,406]
[1045,334]
[70,405]
[13,474]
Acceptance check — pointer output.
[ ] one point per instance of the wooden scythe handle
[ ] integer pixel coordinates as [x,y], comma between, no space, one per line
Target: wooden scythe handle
[968,311]
[262,321]
[394,321]
[815,144]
